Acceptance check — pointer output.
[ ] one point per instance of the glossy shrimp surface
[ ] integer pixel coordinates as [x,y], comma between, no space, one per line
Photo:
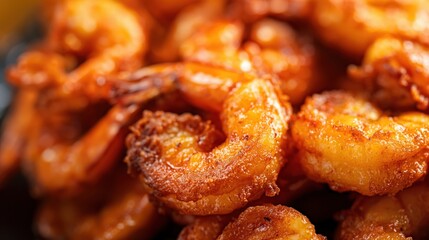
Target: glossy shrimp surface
[345,141]
[274,49]
[76,148]
[352,25]
[84,45]
[397,71]
[403,216]
[178,158]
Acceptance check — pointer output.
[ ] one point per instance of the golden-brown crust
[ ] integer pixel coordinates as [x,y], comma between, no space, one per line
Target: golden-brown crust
[180,163]
[396,71]
[401,216]
[270,222]
[347,142]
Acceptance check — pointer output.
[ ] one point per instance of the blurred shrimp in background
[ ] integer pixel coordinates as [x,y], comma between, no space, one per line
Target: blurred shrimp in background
[19,27]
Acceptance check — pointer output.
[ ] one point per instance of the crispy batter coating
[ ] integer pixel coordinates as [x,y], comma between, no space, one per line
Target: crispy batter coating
[270,222]
[352,25]
[397,71]
[178,158]
[347,142]
[402,216]
[258,223]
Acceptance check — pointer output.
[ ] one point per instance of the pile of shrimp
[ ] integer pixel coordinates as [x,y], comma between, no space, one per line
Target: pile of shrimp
[224,119]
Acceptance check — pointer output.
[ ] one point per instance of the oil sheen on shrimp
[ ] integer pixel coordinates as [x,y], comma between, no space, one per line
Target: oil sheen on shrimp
[87,41]
[345,141]
[179,159]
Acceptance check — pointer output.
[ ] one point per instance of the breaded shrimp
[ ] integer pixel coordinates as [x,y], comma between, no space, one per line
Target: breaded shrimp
[403,216]
[179,160]
[258,223]
[347,142]
[397,72]
[352,25]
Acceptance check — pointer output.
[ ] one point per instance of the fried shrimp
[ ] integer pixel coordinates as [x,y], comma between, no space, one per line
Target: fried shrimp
[259,222]
[288,56]
[274,49]
[397,72]
[120,210]
[270,222]
[179,161]
[84,46]
[77,148]
[345,141]
[403,216]
[352,25]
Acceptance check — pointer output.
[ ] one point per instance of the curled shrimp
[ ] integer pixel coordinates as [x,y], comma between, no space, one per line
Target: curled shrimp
[403,216]
[77,148]
[259,222]
[274,49]
[83,47]
[179,161]
[347,142]
[14,134]
[397,72]
[185,24]
[118,210]
[352,25]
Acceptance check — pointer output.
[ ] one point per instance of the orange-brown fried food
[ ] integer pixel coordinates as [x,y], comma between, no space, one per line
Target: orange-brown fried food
[87,41]
[258,223]
[185,24]
[208,228]
[289,57]
[120,210]
[270,222]
[178,158]
[253,10]
[60,147]
[352,25]
[274,49]
[347,142]
[15,132]
[403,216]
[397,71]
